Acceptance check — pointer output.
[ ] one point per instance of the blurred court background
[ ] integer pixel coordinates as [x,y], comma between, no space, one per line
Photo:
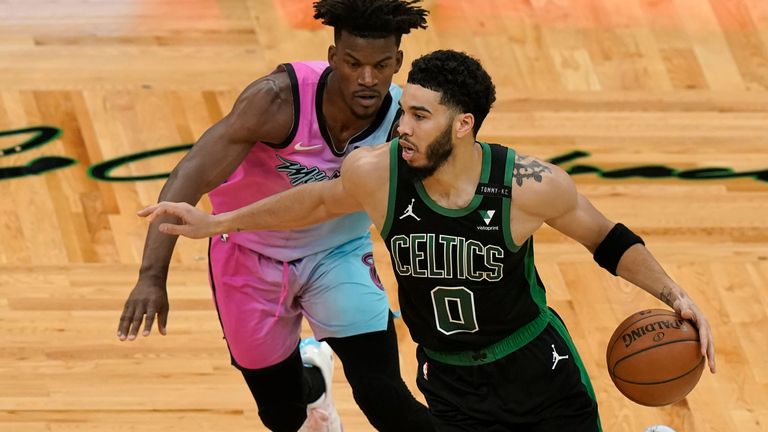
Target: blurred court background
[659,108]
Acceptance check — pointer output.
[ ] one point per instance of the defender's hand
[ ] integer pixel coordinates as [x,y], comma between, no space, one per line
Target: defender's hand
[148,300]
[194,222]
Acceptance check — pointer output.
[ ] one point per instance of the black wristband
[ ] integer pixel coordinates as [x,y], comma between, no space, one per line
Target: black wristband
[612,248]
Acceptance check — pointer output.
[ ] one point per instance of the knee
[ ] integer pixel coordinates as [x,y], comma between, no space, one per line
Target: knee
[279,409]
[377,398]
[380,397]
[278,393]
[280,418]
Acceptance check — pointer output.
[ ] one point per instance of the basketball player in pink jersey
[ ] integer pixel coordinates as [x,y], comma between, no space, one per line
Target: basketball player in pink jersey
[291,127]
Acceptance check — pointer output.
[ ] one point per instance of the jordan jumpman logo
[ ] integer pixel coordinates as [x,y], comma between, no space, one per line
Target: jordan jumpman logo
[409,211]
[556,358]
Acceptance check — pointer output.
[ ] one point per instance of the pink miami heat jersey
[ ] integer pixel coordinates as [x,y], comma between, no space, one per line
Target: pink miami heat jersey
[307,155]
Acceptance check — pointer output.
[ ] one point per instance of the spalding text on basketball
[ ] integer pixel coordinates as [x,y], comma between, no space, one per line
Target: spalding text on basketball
[652,328]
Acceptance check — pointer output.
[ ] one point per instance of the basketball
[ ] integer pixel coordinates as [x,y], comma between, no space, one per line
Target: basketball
[654,357]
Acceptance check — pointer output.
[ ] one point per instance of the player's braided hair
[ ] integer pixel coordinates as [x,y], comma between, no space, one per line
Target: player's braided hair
[372,19]
[460,79]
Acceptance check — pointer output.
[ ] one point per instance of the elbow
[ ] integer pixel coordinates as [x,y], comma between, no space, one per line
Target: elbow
[600,235]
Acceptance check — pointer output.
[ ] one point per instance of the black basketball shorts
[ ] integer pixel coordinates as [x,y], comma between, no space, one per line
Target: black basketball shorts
[540,387]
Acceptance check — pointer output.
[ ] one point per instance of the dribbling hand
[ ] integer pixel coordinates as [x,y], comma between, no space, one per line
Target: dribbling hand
[688,310]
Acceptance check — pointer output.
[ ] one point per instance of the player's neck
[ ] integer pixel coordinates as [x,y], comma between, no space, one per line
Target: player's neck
[453,185]
[341,122]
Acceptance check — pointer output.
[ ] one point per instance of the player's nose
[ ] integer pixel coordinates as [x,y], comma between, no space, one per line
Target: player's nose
[403,127]
[367,77]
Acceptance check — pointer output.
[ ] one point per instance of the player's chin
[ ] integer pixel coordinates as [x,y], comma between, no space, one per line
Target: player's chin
[414,162]
[364,113]
[366,108]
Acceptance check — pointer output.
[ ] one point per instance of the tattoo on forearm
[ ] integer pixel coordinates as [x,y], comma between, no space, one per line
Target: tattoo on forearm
[666,296]
[525,169]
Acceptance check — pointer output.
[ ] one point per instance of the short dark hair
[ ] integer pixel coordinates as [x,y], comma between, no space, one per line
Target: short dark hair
[460,79]
[371,19]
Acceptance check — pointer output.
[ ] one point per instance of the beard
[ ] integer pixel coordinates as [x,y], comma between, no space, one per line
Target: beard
[438,151]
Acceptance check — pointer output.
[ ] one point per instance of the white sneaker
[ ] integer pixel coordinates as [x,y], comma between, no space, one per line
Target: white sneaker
[659,428]
[321,414]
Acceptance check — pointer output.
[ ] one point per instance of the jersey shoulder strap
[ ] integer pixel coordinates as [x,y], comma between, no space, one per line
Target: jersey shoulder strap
[394,160]
[499,186]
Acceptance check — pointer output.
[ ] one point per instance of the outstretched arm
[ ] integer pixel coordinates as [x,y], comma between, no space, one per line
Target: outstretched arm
[297,207]
[572,214]
[358,189]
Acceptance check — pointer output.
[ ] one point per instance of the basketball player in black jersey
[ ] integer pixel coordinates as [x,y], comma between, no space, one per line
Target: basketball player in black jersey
[458,219]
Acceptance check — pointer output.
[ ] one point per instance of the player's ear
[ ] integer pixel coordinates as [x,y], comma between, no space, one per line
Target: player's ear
[398,61]
[463,124]
[331,54]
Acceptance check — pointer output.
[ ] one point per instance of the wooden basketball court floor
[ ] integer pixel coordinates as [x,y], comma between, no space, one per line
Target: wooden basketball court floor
[650,93]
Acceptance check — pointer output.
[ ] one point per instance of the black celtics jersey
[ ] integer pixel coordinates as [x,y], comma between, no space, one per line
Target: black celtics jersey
[462,281]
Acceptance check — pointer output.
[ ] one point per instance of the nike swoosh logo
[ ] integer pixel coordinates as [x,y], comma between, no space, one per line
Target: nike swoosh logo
[301,147]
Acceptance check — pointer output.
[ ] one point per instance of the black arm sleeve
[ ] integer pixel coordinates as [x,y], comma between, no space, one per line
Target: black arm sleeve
[612,248]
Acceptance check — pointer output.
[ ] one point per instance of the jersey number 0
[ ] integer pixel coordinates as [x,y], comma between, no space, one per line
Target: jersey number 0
[454,309]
